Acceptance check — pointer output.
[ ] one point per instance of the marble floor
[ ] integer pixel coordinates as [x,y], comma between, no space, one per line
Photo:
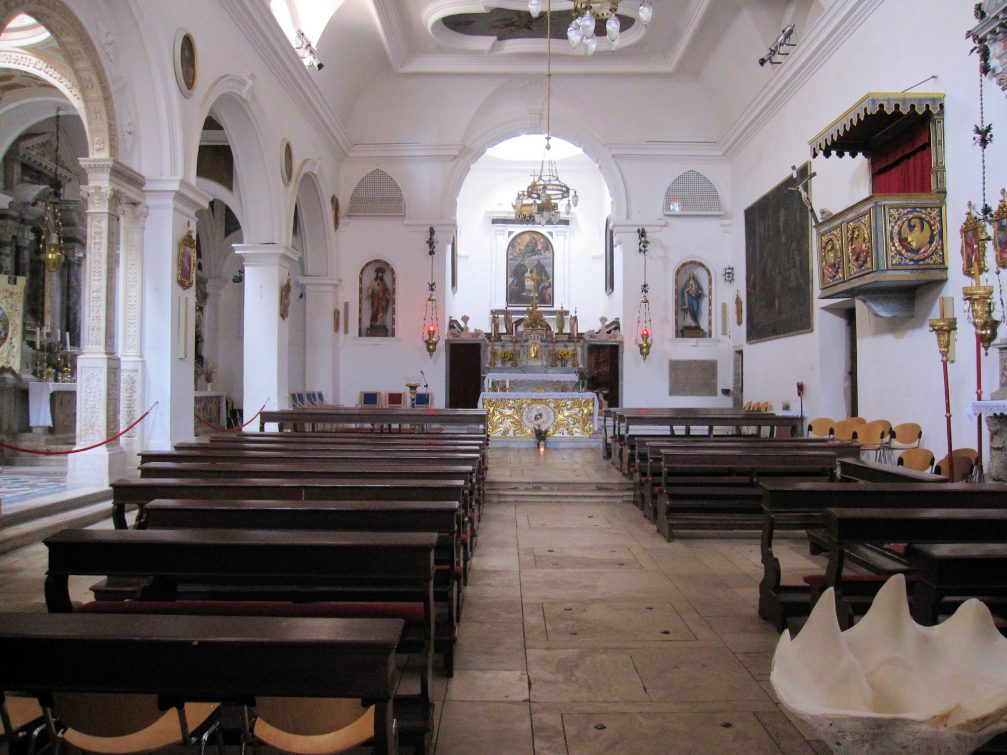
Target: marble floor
[583,631]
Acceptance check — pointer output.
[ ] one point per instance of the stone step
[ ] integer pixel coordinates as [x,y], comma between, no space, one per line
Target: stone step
[36,529]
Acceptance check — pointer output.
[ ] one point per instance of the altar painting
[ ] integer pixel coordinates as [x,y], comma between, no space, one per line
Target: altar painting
[530,252]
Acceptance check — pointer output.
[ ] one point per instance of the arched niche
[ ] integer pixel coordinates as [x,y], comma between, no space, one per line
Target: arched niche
[314,225]
[377,194]
[377,300]
[693,300]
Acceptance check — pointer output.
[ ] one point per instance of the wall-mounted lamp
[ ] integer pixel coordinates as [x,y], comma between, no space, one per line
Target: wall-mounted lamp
[729,274]
[644,326]
[431,320]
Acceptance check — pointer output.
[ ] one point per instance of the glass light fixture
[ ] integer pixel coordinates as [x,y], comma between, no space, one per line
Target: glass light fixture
[431,320]
[586,15]
[52,221]
[541,202]
[644,326]
[535,8]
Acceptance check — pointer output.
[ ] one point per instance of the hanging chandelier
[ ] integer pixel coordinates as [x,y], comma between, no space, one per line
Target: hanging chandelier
[431,320]
[644,327]
[52,220]
[547,198]
[587,13]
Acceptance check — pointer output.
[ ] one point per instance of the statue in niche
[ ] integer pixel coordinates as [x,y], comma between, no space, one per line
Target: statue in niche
[692,306]
[692,292]
[377,300]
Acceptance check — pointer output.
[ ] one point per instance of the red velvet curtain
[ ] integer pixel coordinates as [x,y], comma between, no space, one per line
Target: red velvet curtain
[902,166]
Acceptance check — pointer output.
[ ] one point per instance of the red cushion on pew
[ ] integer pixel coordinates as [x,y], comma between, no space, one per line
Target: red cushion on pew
[899,548]
[464,537]
[459,571]
[658,488]
[411,612]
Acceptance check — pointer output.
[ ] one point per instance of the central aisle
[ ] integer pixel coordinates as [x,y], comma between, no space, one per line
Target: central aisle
[583,631]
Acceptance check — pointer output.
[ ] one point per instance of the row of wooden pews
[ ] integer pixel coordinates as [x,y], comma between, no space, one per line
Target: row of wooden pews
[369,533]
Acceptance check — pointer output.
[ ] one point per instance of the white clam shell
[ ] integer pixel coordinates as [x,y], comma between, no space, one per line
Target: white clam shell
[888,684]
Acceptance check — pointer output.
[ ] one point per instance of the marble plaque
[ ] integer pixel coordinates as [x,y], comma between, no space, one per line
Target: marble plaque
[692,377]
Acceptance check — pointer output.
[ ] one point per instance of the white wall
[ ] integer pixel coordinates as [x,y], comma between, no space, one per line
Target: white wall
[899,368]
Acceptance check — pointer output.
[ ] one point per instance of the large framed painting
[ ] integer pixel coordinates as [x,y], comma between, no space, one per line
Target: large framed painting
[778,262]
[530,269]
[609,257]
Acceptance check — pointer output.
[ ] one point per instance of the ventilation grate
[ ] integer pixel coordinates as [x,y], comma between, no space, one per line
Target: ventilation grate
[692,193]
[377,194]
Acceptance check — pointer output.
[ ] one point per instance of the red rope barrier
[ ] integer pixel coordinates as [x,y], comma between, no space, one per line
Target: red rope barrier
[217,428]
[86,448]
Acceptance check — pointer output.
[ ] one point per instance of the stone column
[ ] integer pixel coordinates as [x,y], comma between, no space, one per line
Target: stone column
[265,357]
[320,363]
[98,368]
[132,394]
[169,314]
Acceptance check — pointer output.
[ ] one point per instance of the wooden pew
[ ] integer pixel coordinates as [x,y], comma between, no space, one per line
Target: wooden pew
[977,570]
[301,419]
[127,492]
[859,525]
[719,489]
[206,658]
[357,516]
[256,572]
[796,505]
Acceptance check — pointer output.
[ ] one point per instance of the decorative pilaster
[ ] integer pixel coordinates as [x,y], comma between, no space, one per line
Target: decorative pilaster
[98,367]
[320,357]
[131,398]
[266,362]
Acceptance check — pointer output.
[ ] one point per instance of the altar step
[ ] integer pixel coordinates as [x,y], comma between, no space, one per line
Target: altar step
[517,491]
[31,521]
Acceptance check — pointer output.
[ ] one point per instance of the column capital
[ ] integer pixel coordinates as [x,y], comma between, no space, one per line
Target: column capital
[104,171]
[179,193]
[320,283]
[266,255]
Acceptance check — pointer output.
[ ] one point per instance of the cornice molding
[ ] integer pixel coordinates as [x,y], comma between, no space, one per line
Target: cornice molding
[406,153]
[392,30]
[256,22]
[665,151]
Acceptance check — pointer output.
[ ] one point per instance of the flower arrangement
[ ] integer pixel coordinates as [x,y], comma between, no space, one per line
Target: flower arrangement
[564,356]
[506,355]
[541,433]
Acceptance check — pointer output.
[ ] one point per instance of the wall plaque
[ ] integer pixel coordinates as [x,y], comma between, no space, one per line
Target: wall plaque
[692,377]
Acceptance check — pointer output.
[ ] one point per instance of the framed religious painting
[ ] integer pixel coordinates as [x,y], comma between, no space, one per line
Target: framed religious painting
[377,300]
[185,271]
[185,62]
[778,262]
[287,164]
[530,269]
[609,257]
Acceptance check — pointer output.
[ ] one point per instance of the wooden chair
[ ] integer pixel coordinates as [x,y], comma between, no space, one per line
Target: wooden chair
[843,430]
[424,399]
[395,399]
[370,398]
[821,427]
[308,726]
[872,436]
[20,719]
[118,724]
[920,459]
[297,400]
[903,436]
[965,459]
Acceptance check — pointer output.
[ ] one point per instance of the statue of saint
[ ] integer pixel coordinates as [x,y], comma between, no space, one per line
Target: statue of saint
[379,295]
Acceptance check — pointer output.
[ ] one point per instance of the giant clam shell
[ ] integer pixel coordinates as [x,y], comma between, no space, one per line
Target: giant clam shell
[888,684]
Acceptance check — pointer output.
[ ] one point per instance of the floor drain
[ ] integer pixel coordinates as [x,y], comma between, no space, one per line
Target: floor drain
[726,725]
[600,727]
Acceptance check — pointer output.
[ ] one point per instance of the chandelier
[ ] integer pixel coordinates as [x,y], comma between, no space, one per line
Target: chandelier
[431,320]
[547,198]
[644,327]
[587,14]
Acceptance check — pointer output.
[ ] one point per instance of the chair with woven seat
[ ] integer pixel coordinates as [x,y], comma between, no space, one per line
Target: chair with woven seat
[872,437]
[902,436]
[21,718]
[844,429]
[821,427]
[964,465]
[919,459]
[308,726]
[119,724]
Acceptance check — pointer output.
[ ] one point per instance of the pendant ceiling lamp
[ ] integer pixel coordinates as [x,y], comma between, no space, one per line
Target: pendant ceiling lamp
[644,327]
[547,198]
[582,32]
[431,320]
[52,221]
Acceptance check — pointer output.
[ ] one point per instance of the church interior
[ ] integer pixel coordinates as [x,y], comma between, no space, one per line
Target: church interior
[629,272]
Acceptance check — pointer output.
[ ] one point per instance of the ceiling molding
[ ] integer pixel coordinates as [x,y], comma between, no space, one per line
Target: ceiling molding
[665,151]
[256,22]
[840,22]
[392,28]
[693,19]
[412,153]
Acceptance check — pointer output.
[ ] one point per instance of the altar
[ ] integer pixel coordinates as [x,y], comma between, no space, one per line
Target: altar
[560,414]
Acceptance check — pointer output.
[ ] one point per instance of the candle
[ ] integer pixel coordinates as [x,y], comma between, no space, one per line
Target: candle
[941,300]
[67,337]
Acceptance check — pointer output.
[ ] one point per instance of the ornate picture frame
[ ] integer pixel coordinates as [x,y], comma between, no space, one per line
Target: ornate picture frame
[530,252]
[334,202]
[185,270]
[285,299]
[185,62]
[286,162]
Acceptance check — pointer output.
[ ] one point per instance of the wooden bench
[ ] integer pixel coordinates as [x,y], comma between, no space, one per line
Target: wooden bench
[301,419]
[255,572]
[731,479]
[976,570]
[442,517]
[795,505]
[879,525]
[206,658]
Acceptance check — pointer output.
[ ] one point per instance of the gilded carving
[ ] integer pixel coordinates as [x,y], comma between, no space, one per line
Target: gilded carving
[859,245]
[560,417]
[915,237]
[830,257]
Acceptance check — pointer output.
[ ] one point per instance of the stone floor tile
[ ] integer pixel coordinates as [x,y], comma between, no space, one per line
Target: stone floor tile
[488,646]
[672,673]
[583,675]
[615,621]
[547,731]
[784,733]
[479,609]
[468,728]
[552,585]
[593,557]
[495,686]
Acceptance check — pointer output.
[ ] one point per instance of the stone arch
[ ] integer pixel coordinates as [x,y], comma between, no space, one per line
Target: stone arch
[82,58]
[568,130]
[695,195]
[257,188]
[378,194]
[20,113]
[315,220]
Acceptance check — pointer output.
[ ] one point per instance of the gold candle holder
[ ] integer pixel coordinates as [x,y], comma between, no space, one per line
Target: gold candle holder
[980,300]
[943,327]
